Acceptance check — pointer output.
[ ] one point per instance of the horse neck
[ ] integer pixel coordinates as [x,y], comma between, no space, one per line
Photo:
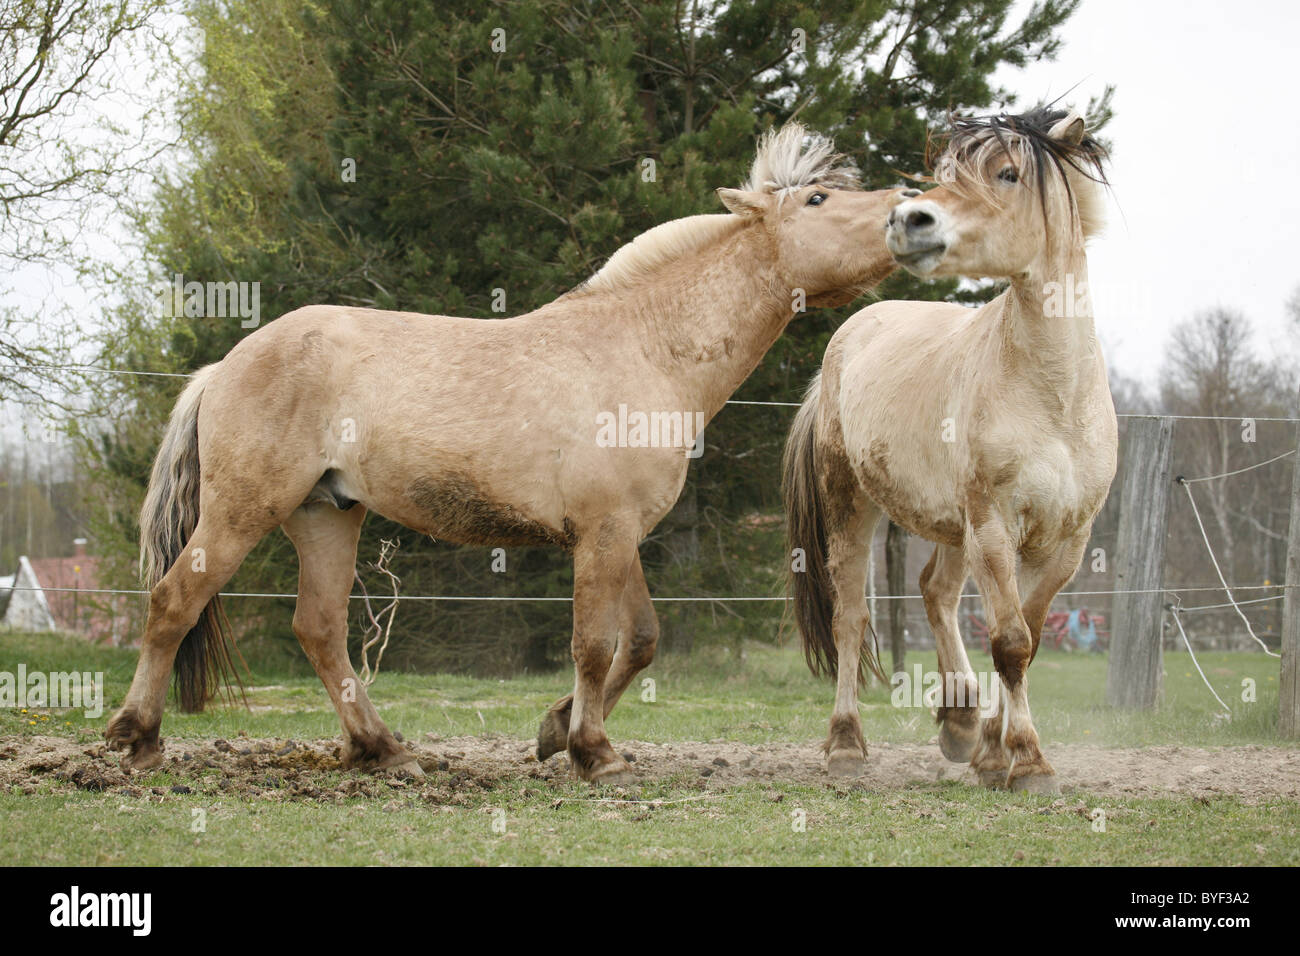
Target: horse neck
[1048,337]
[706,322]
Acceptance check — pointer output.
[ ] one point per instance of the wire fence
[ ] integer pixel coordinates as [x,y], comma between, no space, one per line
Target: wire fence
[734,401]
[1175,607]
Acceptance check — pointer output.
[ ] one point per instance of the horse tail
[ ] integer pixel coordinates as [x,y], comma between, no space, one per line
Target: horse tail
[167,522]
[810,588]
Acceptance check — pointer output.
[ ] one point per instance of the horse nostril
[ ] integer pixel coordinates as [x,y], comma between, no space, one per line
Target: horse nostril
[919,219]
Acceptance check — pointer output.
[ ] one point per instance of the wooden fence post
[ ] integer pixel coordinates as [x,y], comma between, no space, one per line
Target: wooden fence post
[1133,677]
[896,581]
[1288,703]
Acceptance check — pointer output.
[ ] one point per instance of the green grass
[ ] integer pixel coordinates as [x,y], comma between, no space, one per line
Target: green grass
[765,695]
[760,696]
[932,825]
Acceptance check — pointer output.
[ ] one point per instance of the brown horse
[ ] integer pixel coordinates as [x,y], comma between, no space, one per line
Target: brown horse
[488,432]
[988,431]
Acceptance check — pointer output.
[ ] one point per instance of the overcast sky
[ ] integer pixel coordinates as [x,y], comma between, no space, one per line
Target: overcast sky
[1205,209]
[1206,140]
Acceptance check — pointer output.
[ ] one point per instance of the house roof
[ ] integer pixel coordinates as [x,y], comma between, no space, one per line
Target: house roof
[79,573]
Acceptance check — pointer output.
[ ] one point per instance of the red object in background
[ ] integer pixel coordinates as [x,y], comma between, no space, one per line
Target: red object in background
[1056,630]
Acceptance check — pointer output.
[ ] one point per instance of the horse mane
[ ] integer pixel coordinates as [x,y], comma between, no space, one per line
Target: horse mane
[794,157]
[656,247]
[972,142]
[786,160]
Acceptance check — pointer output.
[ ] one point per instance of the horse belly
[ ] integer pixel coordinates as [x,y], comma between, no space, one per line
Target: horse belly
[452,507]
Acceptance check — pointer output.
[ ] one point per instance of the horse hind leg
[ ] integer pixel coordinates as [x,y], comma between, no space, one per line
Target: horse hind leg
[959,712]
[847,550]
[211,556]
[637,638]
[326,541]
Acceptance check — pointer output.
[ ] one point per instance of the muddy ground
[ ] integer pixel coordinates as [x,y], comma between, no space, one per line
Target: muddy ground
[459,767]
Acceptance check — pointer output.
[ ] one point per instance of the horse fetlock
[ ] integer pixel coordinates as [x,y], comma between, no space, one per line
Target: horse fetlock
[594,760]
[553,734]
[845,734]
[959,732]
[846,750]
[374,752]
[990,761]
[139,738]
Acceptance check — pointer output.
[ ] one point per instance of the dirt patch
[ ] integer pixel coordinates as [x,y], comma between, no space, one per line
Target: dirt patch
[458,767]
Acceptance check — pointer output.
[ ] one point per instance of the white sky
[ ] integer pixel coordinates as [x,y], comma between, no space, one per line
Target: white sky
[1205,144]
[1199,215]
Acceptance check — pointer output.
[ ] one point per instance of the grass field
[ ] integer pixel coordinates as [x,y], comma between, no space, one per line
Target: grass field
[762,697]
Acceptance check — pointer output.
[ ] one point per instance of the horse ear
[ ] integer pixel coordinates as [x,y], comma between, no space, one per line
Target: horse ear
[1069,130]
[744,202]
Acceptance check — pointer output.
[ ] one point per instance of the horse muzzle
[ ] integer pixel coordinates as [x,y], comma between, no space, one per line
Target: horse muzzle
[915,237]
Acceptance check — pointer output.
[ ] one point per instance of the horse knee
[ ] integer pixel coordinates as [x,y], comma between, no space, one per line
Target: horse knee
[1012,650]
[642,643]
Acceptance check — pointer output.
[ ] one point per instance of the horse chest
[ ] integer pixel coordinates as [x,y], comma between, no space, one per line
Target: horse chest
[1045,495]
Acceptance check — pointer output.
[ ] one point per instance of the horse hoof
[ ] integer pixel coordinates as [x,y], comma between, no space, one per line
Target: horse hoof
[846,763]
[993,779]
[618,774]
[957,738]
[410,768]
[142,759]
[553,734]
[1042,783]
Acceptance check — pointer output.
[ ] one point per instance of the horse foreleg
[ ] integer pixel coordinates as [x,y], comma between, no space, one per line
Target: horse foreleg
[326,540]
[1008,753]
[1028,768]
[959,717]
[602,563]
[638,635]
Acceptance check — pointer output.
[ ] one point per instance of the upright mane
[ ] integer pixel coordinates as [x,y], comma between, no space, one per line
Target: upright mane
[794,157]
[972,142]
[787,159]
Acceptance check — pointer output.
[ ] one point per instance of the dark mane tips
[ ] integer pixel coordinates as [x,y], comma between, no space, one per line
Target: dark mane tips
[966,136]
[959,155]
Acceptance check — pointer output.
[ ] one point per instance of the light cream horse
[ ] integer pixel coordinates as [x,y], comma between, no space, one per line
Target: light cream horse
[988,431]
[487,432]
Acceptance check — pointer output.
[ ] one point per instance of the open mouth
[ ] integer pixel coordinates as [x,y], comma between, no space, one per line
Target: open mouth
[918,256]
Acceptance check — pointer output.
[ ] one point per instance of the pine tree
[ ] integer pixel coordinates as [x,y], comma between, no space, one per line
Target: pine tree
[443,156]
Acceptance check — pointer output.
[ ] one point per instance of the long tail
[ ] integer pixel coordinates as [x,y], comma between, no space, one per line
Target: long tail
[167,521]
[811,588]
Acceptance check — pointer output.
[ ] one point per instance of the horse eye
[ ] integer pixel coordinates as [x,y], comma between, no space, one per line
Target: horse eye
[1008,175]
[816,199]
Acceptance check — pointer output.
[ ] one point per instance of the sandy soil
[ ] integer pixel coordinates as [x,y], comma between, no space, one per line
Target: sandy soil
[458,766]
